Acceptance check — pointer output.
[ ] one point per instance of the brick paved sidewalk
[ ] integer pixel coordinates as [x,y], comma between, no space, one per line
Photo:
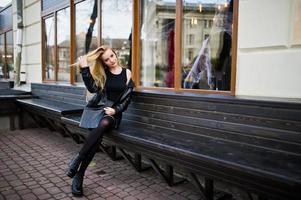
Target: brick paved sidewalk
[33,164]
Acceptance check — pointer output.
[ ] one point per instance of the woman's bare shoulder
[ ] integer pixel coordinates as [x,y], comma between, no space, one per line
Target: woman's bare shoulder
[128,75]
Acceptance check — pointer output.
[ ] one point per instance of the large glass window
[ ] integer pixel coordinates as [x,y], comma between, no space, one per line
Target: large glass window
[63,44]
[116,28]
[49,48]
[157,43]
[206,51]
[87,35]
[6,55]
[10,54]
[6,41]
[180,46]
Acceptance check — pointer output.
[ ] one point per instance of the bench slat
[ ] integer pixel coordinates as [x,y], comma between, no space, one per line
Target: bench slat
[57,107]
[222,116]
[269,112]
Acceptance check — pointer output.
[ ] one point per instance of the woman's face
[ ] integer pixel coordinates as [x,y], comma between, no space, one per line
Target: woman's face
[109,58]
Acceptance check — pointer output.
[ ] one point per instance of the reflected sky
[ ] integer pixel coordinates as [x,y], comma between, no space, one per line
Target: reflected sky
[83,14]
[4,3]
[206,1]
[117,19]
[193,1]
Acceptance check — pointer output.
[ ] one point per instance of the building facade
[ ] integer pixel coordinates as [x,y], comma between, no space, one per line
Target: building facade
[240,48]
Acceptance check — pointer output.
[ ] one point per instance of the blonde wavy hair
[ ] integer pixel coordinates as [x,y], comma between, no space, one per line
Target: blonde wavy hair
[98,67]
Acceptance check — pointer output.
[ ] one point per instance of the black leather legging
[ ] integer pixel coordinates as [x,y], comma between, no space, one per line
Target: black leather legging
[92,143]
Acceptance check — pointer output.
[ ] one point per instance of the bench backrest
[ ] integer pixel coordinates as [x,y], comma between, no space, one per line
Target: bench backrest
[268,124]
[67,94]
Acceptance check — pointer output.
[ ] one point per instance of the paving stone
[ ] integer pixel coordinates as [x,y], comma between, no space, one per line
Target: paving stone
[130,198]
[54,190]
[21,187]
[29,196]
[60,196]
[39,191]
[13,197]
[24,191]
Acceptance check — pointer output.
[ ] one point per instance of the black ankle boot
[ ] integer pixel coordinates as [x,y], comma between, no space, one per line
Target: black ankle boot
[73,166]
[77,185]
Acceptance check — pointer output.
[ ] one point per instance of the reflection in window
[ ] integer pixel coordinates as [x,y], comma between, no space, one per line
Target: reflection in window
[2,56]
[10,54]
[157,43]
[211,24]
[63,44]
[49,48]
[86,29]
[116,28]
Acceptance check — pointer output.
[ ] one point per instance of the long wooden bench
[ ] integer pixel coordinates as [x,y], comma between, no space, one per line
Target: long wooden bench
[252,144]
[50,102]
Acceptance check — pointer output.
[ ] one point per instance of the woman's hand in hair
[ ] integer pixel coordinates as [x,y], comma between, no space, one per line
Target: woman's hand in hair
[83,61]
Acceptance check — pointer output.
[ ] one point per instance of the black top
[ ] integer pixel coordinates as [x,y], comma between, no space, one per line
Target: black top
[115,84]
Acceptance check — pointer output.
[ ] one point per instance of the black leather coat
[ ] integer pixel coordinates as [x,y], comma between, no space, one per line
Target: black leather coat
[99,97]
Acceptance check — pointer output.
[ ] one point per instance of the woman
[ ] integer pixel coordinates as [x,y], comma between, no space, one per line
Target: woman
[110,82]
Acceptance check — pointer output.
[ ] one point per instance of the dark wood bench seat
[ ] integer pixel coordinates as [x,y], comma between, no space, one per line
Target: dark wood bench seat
[8,107]
[56,107]
[52,101]
[253,144]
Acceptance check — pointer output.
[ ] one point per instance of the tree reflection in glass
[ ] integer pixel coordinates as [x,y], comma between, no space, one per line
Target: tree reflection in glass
[116,28]
[10,54]
[86,29]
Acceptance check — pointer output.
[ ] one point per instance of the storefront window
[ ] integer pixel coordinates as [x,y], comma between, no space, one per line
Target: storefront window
[49,50]
[157,43]
[116,28]
[206,51]
[86,29]
[10,54]
[205,28]
[63,44]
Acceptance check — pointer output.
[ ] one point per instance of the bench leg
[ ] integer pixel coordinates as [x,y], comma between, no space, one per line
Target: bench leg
[64,131]
[209,188]
[167,175]
[111,152]
[262,198]
[39,122]
[20,120]
[136,162]
[50,124]
[12,122]
[205,192]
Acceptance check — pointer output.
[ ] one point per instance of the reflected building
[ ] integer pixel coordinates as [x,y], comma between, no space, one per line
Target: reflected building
[199,22]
